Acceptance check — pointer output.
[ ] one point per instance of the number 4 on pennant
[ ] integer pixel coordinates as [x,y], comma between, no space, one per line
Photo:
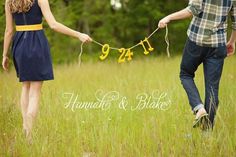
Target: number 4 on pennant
[129,55]
[125,53]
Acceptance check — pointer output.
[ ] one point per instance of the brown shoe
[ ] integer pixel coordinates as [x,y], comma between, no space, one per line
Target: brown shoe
[199,121]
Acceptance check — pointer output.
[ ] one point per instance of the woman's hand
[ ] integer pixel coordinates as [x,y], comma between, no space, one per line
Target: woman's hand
[164,22]
[230,48]
[5,63]
[84,38]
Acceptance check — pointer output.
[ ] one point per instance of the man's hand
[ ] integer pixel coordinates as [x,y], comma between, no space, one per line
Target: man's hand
[230,48]
[163,22]
[5,63]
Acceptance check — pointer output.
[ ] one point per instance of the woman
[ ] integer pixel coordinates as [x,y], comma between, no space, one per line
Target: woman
[30,49]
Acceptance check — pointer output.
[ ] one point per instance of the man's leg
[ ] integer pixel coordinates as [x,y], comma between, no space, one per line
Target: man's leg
[192,58]
[213,67]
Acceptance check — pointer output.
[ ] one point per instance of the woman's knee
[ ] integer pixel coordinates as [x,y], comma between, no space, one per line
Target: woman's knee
[26,85]
[35,88]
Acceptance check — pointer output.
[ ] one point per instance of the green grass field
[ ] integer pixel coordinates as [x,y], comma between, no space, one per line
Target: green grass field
[116,132]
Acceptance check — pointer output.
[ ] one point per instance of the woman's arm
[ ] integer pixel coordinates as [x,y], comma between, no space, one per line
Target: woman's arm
[7,37]
[183,14]
[58,27]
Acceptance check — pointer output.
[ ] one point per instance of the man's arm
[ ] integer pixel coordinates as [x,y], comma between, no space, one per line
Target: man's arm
[231,44]
[232,40]
[183,14]
[194,9]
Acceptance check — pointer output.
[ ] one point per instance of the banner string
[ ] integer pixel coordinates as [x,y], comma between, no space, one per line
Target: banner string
[167,42]
[115,48]
[81,52]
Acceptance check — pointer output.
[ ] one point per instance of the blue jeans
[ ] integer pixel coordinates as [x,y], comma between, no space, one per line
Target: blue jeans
[213,61]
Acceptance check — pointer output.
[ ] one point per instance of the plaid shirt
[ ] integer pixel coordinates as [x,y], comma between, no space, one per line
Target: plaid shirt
[209,23]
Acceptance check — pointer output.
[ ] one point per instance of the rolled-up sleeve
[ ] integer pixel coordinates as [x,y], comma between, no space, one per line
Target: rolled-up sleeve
[233,15]
[195,7]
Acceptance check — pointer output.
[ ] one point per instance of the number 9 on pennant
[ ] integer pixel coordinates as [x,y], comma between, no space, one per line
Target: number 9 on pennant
[105,52]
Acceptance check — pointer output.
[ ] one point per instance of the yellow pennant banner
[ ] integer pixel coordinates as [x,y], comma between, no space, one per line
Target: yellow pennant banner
[126,54]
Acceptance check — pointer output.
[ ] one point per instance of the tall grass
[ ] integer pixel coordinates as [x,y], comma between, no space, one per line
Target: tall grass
[115,132]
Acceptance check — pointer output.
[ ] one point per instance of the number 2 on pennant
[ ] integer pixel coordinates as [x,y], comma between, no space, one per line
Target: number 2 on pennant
[105,52]
[122,56]
[125,53]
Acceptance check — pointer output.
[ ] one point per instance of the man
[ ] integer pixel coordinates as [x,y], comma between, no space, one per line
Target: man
[207,44]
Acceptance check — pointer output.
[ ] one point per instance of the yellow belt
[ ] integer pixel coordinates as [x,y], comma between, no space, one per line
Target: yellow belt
[29,27]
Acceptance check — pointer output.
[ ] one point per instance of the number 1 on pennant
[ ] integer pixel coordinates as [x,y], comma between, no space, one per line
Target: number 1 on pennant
[150,48]
[105,52]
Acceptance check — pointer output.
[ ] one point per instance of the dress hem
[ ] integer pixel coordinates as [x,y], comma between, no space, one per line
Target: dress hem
[34,80]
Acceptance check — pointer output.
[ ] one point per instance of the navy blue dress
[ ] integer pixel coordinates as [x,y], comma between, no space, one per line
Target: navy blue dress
[30,49]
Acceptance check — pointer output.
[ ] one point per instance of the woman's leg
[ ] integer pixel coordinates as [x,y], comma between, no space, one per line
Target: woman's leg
[34,96]
[24,102]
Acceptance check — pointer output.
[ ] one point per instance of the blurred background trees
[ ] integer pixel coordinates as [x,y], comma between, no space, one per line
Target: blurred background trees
[121,23]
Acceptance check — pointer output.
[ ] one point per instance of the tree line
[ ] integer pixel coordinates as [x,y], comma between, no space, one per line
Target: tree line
[120,27]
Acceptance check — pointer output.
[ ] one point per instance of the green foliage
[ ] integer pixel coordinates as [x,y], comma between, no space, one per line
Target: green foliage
[2,23]
[119,28]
